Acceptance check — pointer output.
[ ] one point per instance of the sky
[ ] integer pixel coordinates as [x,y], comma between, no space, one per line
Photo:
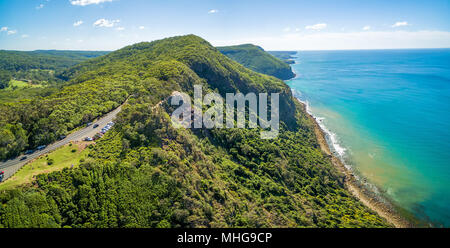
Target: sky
[274,25]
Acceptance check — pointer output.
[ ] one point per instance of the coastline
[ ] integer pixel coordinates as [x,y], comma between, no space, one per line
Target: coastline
[367,197]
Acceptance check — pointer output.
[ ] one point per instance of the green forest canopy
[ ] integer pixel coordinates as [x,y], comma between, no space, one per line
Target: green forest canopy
[41,65]
[255,58]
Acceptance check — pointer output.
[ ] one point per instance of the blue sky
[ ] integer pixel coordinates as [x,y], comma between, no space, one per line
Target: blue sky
[275,25]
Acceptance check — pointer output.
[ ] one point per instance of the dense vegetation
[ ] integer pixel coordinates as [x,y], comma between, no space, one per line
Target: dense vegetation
[32,116]
[41,59]
[40,66]
[255,58]
[145,173]
[5,77]
[286,56]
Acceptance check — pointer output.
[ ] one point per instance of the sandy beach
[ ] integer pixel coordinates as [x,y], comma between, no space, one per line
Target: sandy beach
[367,197]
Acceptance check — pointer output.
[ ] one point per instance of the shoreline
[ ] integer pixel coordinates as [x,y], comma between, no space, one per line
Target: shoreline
[368,198]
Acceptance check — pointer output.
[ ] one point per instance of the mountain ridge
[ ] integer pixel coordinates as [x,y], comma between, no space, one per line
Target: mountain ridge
[257,59]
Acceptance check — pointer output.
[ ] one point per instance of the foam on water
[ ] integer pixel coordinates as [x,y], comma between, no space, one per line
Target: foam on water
[331,137]
[385,115]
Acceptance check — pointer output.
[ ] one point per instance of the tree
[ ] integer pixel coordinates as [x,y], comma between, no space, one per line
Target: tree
[5,77]
[13,140]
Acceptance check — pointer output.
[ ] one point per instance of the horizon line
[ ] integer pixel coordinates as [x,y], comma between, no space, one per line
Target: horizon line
[271,50]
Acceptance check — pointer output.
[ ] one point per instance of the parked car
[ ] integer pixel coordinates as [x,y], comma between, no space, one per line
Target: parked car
[96,125]
[62,137]
[23,158]
[40,148]
[29,152]
[89,124]
[88,139]
[2,175]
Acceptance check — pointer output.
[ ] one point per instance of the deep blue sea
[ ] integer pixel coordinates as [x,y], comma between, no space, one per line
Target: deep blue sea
[387,113]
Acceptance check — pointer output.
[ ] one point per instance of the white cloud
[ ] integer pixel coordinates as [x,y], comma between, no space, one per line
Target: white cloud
[348,40]
[105,23]
[4,29]
[11,32]
[40,6]
[25,36]
[400,24]
[318,26]
[141,27]
[287,29]
[88,2]
[366,28]
[120,28]
[213,11]
[78,23]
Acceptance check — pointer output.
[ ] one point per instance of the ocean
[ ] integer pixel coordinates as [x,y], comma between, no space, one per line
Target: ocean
[387,115]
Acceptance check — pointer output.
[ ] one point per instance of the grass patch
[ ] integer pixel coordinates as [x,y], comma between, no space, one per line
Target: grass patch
[57,160]
[17,85]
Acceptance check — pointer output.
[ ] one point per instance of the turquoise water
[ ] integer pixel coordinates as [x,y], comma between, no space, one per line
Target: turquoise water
[388,114]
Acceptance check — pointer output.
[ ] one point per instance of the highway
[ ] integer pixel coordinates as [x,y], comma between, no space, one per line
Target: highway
[10,167]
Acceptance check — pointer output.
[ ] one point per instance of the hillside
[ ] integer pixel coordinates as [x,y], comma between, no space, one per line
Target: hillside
[43,59]
[146,173]
[256,59]
[40,66]
[285,56]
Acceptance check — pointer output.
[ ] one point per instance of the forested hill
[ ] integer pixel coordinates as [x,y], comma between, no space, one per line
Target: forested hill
[39,67]
[43,59]
[255,58]
[286,56]
[146,173]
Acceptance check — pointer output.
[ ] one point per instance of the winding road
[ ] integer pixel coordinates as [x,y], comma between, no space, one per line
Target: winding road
[10,167]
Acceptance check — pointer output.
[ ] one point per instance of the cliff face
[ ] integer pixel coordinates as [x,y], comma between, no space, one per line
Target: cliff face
[255,58]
